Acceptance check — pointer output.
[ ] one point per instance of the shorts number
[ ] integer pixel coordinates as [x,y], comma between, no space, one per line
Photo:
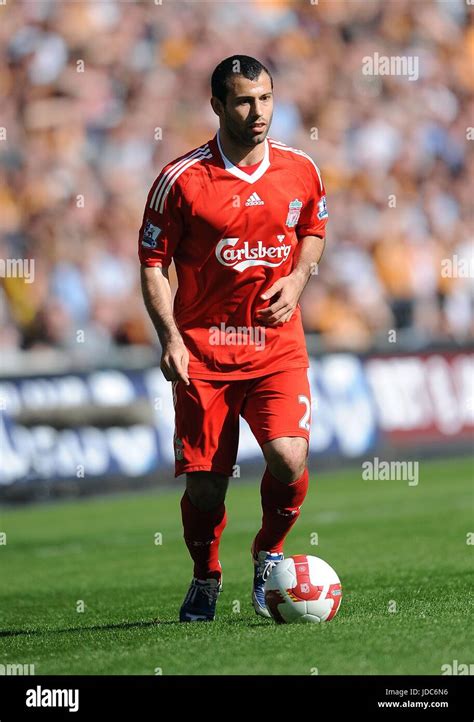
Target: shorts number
[304,421]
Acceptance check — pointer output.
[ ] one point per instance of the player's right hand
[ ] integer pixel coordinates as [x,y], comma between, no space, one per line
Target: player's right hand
[175,360]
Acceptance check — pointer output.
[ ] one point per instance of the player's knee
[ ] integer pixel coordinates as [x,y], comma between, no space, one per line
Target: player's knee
[206,489]
[287,459]
[288,469]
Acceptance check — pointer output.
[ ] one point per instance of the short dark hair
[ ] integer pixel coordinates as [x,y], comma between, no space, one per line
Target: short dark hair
[244,65]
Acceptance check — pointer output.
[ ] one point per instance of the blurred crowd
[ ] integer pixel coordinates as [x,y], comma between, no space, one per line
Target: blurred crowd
[85,85]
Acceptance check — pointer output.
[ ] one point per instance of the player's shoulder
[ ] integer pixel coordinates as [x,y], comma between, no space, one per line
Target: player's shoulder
[183,167]
[176,174]
[296,158]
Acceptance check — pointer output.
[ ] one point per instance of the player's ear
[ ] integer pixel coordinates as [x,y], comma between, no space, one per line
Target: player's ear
[216,105]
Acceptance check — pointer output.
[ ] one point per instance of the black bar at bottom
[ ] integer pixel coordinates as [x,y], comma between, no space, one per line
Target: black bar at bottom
[149,698]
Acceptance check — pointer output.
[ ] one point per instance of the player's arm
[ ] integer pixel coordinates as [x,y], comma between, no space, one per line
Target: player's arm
[308,254]
[160,233]
[311,234]
[158,301]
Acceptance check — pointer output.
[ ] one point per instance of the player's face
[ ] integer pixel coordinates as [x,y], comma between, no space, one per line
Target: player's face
[248,111]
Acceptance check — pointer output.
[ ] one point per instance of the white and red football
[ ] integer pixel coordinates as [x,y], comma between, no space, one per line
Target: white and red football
[302,589]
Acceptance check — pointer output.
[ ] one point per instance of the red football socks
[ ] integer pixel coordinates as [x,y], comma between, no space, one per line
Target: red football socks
[203,529]
[281,508]
[202,533]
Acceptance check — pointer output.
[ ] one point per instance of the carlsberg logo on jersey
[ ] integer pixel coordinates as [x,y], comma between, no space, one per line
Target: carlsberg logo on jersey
[246,256]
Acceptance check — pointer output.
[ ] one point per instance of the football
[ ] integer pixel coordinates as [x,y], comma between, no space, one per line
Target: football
[303,589]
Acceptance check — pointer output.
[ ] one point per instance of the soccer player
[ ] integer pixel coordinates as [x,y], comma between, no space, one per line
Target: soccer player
[243,218]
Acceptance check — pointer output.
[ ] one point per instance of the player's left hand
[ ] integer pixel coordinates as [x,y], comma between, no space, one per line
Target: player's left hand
[288,291]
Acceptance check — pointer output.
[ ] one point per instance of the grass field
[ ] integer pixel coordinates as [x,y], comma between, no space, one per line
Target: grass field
[401,552]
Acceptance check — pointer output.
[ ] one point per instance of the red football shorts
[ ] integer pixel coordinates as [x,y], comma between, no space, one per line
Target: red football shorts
[207,416]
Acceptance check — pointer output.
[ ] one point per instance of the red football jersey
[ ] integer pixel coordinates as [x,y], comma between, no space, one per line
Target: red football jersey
[232,234]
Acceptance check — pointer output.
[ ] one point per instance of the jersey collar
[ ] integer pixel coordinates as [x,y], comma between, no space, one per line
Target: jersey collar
[235,170]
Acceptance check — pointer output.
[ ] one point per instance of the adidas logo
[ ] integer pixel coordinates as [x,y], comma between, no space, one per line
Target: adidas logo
[254,200]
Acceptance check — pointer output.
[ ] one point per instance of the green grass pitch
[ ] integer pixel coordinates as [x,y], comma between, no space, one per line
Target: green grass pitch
[404,555]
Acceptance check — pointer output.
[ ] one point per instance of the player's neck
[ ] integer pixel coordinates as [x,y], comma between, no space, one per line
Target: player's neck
[238,154]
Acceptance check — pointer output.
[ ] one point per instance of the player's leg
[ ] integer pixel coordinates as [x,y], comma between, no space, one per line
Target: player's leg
[283,490]
[204,519]
[206,440]
[286,457]
[277,409]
